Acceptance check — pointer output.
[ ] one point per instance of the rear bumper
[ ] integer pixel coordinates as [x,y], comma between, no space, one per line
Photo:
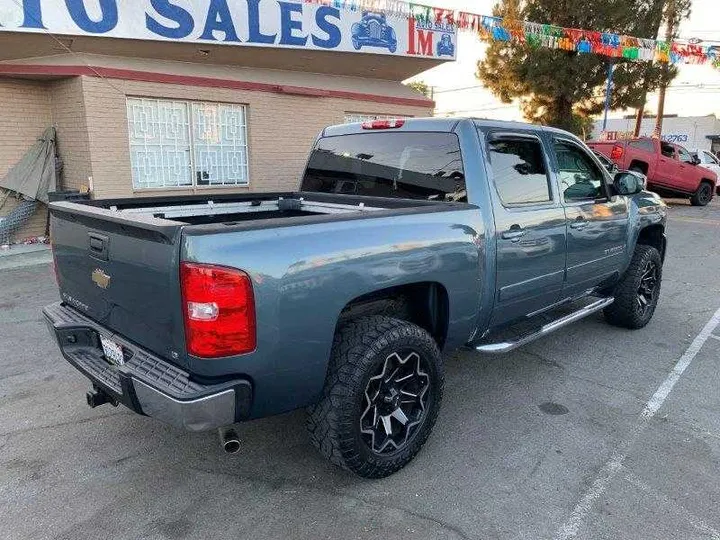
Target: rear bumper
[145,383]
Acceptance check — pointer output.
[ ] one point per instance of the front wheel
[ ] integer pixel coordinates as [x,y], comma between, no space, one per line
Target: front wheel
[637,293]
[381,397]
[703,195]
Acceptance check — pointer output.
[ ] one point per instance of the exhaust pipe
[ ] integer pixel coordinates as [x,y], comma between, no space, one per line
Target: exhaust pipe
[229,440]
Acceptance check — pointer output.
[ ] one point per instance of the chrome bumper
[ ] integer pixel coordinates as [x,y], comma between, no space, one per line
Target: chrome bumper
[145,383]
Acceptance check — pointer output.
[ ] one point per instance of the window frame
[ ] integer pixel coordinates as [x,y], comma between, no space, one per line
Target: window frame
[604,175]
[495,135]
[193,186]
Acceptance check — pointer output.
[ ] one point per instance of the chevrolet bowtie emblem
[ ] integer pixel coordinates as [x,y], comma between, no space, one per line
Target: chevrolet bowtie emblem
[100,278]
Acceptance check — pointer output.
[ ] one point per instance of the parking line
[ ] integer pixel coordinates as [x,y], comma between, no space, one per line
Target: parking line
[570,528]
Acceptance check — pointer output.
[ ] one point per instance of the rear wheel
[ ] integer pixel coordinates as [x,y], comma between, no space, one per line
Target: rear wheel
[703,195]
[381,398]
[637,293]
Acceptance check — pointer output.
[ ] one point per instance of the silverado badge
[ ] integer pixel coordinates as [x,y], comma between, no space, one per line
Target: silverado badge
[100,278]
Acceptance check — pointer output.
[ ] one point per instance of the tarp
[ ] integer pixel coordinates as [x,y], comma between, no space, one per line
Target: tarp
[34,175]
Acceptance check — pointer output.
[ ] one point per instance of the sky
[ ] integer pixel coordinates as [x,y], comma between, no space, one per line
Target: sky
[695,92]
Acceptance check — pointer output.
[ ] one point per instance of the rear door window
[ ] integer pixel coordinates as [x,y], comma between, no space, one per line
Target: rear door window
[519,171]
[667,150]
[399,165]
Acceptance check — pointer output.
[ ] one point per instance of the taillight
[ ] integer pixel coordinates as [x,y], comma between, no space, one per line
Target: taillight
[219,310]
[616,152]
[383,124]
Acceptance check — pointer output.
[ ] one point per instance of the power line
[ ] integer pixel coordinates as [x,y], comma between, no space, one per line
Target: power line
[459,89]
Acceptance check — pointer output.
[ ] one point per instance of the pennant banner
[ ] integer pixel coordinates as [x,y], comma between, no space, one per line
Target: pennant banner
[540,35]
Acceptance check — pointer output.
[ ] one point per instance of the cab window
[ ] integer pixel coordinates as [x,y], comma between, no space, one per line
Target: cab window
[519,172]
[667,149]
[580,177]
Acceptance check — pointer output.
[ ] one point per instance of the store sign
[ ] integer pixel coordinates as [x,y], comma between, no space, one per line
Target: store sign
[676,138]
[624,135]
[315,25]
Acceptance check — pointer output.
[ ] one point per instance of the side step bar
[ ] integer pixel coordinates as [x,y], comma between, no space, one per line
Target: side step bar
[507,346]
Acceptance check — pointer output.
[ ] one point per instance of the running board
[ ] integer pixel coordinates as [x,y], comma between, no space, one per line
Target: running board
[507,346]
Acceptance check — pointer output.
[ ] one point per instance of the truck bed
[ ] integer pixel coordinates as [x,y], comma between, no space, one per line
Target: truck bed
[117,261]
[238,209]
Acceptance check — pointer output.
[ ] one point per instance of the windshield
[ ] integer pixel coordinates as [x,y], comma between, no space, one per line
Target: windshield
[400,165]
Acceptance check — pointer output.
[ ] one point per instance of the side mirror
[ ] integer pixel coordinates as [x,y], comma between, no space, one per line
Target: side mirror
[696,160]
[627,183]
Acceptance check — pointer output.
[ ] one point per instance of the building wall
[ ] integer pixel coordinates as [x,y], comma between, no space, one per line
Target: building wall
[689,131]
[281,129]
[73,144]
[25,112]
[90,116]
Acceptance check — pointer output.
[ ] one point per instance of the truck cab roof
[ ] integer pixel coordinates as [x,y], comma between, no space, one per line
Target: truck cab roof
[441,125]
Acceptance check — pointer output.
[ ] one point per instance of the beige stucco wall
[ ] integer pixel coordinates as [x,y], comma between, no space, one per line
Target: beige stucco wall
[281,129]
[68,116]
[25,112]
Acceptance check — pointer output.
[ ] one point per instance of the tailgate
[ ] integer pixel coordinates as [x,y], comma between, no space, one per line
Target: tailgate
[122,272]
[605,148]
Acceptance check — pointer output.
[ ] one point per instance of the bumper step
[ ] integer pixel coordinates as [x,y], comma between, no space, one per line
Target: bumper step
[145,383]
[505,346]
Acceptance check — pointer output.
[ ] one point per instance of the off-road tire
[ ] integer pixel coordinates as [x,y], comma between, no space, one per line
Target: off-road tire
[360,348]
[625,310]
[703,195]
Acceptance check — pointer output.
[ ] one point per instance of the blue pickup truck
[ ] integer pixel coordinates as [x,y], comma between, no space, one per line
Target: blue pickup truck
[406,239]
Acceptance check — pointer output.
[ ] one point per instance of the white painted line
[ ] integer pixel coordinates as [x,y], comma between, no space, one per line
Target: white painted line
[570,528]
[662,393]
[691,518]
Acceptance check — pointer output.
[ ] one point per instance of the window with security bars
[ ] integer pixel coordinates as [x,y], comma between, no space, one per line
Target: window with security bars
[179,144]
[351,117]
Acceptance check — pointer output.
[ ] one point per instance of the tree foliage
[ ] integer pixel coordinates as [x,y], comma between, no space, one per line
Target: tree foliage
[420,86]
[565,88]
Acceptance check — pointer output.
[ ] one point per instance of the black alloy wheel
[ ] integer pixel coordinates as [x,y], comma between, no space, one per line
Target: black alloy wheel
[395,402]
[381,398]
[647,291]
[638,291]
[703,195]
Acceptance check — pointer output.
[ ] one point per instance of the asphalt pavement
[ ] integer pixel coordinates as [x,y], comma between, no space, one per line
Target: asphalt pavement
[591,433]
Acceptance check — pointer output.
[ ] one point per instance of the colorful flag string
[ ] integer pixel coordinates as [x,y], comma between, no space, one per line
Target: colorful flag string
[537,35]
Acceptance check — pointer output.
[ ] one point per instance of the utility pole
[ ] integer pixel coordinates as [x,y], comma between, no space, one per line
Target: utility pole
[608,91]
[671,19]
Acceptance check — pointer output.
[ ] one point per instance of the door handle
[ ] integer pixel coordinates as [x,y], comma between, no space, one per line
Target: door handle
[98,246]
[514,234]
[579,224]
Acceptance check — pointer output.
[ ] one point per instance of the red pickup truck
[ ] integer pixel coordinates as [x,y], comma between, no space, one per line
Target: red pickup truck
[670,169]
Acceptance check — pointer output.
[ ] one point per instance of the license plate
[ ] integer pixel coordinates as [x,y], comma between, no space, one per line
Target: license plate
[113,351]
